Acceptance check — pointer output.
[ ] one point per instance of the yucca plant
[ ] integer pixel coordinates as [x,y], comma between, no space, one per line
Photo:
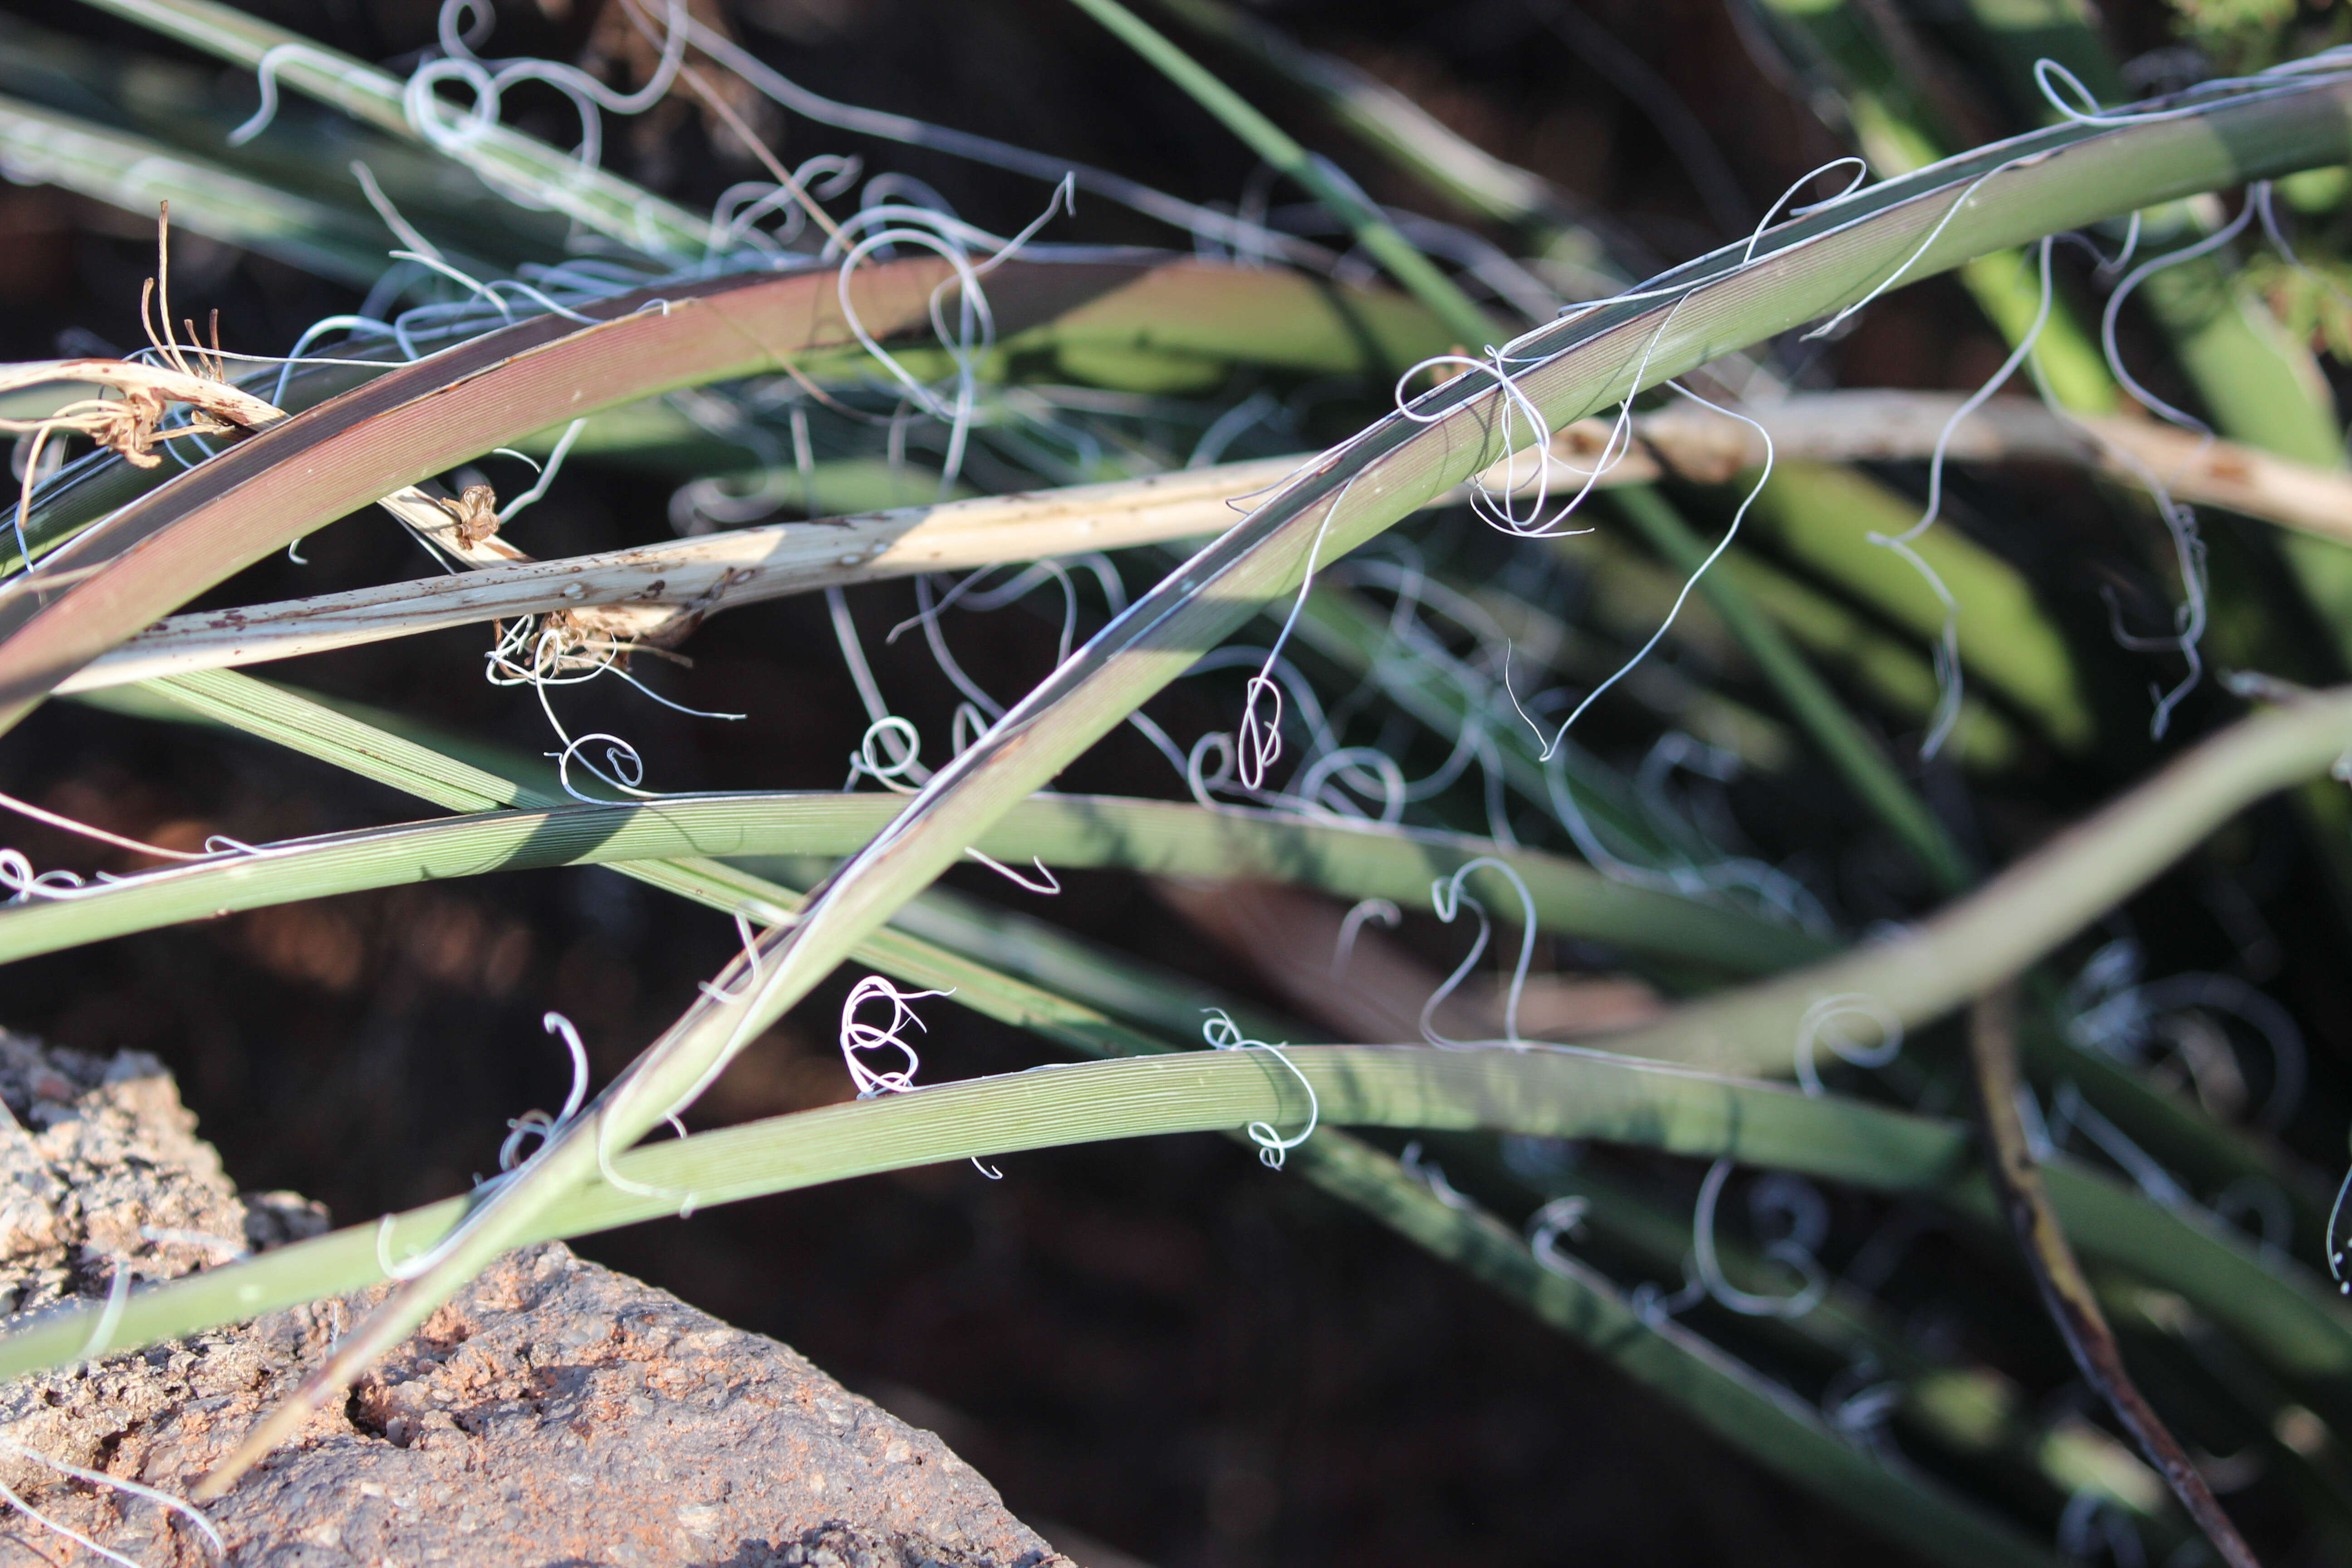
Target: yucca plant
[1811,773]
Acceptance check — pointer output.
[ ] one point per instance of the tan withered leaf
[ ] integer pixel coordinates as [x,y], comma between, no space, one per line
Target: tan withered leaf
[205,525]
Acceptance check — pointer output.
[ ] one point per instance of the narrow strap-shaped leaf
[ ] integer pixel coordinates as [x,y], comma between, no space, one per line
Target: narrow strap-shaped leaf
[505,158]
[2025,911]
[1388,119]
[409,424]
[1757,1416]
[418,421]
[241,704]
[1768,1423]
[2288,1326]
[2283,1325]
[677,579]
[704,574]
[2281,1310]
[1554,1092]
[1852,750]
[1378,237]
[1164,838]
[129,172]
[1815,264]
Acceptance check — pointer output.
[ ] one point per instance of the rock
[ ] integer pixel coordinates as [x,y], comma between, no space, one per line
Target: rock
[99,1165]
[555,1412]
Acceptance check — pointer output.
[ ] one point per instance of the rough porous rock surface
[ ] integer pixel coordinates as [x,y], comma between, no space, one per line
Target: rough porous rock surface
[555,1413]
[100,1167]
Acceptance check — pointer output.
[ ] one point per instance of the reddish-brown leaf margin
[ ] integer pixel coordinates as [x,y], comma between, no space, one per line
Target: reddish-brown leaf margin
[409,424]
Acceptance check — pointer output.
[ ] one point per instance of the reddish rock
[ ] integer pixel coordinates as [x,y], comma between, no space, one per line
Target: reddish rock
[555,1413]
